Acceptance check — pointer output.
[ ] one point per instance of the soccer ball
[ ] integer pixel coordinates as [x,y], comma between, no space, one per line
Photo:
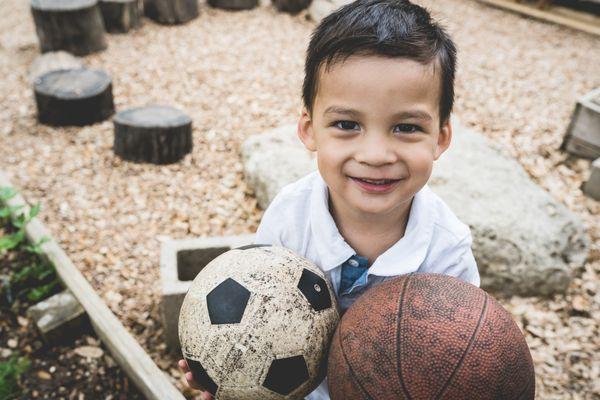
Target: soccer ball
[256,324]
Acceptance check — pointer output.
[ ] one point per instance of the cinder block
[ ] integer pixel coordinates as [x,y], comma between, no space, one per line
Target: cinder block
[592,186]
[180,262]
[60,318]
[583,134]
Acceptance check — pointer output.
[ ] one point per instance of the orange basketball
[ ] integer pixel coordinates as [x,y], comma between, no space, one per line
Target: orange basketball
[427,336]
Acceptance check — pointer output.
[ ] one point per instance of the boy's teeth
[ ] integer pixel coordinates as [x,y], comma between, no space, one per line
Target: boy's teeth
[376,182]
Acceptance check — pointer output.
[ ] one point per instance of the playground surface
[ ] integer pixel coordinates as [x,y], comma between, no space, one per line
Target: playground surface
[238,74]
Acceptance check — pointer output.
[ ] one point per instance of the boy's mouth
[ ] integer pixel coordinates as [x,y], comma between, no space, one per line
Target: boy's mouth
[375,185]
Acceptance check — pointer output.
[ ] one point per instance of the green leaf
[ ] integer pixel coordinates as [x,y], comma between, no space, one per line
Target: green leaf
[11,241]
[7,193]
[10,375]
[41,292]
[6,211]
[36,247]
[35,210]
[20,221]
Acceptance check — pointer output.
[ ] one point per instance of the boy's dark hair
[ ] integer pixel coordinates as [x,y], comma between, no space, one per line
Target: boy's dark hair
[390,28]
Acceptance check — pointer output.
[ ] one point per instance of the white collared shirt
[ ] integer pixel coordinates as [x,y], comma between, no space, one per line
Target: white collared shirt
[435,240]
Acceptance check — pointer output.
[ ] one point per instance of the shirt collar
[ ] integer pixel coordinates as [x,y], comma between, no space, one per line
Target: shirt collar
[403,257]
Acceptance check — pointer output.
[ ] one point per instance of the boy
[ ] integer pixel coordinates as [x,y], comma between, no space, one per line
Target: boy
[378,93]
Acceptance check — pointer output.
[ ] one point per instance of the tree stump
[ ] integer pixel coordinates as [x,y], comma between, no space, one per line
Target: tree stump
[291,6]
[120,16]
[72,25]
[171,11]
[73,97]
[153,134]
[233,4]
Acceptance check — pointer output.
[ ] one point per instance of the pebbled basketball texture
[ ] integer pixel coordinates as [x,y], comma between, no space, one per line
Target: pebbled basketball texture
[429,336]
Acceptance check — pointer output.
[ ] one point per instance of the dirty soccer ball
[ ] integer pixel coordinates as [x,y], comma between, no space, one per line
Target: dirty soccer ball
[256,324]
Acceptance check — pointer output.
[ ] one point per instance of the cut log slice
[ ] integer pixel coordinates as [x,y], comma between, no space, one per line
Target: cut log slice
[153,134]
[73,97]
[291,6]
[233,4]
[171,12]
[120,16]
[75,26]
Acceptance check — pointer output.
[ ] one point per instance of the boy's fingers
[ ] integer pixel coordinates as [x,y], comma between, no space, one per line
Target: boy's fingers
[183,365]
[189,377]
[190,380]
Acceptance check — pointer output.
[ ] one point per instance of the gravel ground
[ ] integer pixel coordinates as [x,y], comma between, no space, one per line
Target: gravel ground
[239,73]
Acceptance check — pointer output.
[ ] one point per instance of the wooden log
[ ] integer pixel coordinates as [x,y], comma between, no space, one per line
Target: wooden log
[120,16]
[73,97]
[72,25]
[171,12]
[291,6]
[154,134]
[233,4]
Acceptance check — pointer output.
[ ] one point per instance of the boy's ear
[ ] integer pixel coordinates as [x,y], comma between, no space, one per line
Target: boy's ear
[305,130]
[444,139]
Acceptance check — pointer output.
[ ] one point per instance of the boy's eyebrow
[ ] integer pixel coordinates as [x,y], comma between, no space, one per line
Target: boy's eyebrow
[410,114]
[414,114]
[341,110]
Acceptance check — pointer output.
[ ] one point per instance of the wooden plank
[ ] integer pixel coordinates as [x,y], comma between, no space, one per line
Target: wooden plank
[128,353]
[547,16]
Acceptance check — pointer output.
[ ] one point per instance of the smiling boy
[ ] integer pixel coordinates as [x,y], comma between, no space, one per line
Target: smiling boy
[378,93]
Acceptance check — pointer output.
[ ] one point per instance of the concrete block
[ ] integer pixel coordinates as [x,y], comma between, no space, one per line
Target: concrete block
[180,262]
[59,318]
[583,134]
[592,187]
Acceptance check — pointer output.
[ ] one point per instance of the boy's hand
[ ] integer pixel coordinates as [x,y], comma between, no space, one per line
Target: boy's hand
[190,379]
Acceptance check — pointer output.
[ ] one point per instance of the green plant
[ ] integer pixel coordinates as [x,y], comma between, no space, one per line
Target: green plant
[10,374]
[33,278]
[12,240]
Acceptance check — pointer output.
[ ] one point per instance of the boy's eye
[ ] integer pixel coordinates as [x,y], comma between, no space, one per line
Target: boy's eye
[346,125]
[407,128]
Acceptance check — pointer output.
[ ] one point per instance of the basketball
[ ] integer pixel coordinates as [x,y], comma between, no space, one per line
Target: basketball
[428,336]
[256,324]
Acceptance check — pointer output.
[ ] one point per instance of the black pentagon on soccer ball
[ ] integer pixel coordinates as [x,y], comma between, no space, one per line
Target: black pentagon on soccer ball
[201,376]
[226,303]
[251,246]
[286,374]
[314,288]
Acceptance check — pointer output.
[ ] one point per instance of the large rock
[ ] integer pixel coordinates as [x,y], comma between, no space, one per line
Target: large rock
[274,159]
[525,242]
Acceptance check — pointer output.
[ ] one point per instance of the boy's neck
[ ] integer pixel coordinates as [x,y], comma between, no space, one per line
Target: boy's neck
[370,235]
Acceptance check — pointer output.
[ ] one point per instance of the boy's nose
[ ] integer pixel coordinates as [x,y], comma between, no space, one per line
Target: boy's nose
[375,150]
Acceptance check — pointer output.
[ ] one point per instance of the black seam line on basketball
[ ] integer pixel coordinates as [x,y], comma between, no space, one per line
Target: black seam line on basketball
[398,341]
[462,358]
[352,374]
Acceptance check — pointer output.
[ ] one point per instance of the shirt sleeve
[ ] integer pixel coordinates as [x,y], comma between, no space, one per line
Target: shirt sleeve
[463,265]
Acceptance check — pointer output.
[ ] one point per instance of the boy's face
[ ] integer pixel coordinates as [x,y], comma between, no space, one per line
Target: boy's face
[376,130]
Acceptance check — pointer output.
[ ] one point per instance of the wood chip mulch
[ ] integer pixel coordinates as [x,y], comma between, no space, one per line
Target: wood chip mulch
[240,73]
